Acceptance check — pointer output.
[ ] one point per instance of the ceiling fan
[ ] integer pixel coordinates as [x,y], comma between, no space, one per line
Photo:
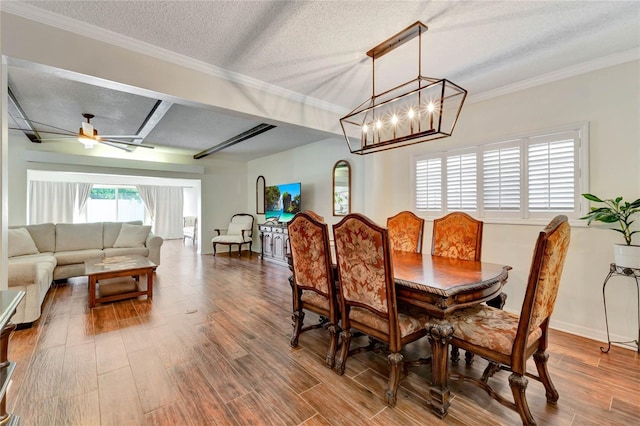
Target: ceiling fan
[89,137]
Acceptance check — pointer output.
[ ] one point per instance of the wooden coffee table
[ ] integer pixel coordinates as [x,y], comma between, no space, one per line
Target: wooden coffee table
[129,269]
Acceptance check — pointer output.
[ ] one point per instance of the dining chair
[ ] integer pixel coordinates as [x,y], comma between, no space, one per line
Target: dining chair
[314,215]
[367,296]
[405,232]
[509,340]
[313,282]
[458,236]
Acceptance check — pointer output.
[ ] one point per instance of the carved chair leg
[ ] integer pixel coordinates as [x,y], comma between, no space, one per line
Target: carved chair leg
[498,301]
[541,357]
[468,358]
[333,345]
[455,355]
[492,368]
[298,319]
[518,385]
[344,351]
[395,361]
[250,249]
[214,249]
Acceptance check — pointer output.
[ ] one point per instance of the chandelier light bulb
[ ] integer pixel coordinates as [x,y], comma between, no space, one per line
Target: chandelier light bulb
[378,124]
[394,119]
[365,128]
[411,113]
[430,107]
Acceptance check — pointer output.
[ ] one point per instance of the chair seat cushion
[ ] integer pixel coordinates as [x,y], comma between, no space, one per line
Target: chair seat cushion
[408,324]
[230,239]
[312,298]
[489,328]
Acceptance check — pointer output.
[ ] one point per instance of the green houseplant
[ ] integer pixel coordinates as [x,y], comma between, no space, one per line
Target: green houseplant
[621,213]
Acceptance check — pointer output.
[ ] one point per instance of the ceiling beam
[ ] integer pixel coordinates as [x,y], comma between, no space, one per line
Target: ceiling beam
[153,118]
[255,131]
[21,119]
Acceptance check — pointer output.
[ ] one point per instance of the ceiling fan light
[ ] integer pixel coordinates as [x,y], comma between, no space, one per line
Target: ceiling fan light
[86,140]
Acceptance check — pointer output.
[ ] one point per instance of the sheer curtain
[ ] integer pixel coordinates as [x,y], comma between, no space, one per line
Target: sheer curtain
[164,204]
[57,202]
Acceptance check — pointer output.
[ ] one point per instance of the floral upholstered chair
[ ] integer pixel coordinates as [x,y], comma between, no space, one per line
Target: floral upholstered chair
[313,279]
[367,295]
[457,235]
[510,340]
[405,232]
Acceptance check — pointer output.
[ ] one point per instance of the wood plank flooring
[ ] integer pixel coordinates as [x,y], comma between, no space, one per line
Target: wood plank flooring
[212,348]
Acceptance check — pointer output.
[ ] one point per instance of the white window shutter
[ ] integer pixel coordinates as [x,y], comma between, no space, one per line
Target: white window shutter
[462,184]
[429,184]
[551,170]
[501,172]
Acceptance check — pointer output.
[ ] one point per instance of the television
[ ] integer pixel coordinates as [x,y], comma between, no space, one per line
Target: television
[282,201]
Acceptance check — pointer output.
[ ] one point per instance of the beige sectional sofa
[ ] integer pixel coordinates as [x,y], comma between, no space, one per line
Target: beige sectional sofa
[58,251]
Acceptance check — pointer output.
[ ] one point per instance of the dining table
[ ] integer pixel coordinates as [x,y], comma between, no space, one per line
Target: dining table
[439,286]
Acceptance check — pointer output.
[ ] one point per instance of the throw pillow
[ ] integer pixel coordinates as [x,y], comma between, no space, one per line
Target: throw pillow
[132,236]
[21,243]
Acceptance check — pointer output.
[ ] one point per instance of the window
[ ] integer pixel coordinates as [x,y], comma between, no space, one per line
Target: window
[114,204]
[535,176]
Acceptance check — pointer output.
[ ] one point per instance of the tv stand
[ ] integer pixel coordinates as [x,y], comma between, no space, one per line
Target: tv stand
[274,242]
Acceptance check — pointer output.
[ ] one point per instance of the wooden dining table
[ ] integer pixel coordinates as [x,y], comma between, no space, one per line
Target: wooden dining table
[441,285]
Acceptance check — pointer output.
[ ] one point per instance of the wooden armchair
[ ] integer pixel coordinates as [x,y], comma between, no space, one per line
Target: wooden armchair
[313,279]
[239,232]
[405,232]
[509,340]
[367,295]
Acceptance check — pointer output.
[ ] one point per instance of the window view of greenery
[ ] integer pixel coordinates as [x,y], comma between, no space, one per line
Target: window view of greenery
[114,204]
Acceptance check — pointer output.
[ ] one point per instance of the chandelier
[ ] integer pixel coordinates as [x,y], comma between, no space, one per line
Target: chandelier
[419,110]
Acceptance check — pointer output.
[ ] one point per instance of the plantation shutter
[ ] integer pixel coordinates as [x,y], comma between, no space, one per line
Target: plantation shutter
[552,173]
[428,183]
[501,172]
[462,186]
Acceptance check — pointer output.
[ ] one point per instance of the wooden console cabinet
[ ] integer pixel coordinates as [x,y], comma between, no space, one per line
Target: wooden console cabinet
[9,300]
[274,242]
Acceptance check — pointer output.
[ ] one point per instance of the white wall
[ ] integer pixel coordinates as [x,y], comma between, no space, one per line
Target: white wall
[608,99]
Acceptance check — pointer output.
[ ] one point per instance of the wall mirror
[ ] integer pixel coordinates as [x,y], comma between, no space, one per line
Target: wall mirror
[341,188]
[260,206]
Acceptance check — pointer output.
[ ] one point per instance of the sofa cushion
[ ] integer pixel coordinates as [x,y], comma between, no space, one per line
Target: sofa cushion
[112,230]
[126,251]
[78,236]
[132,236]
[77,256]
[44,235]
[21,243]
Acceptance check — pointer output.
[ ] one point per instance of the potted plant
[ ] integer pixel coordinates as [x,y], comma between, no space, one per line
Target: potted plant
[619,212]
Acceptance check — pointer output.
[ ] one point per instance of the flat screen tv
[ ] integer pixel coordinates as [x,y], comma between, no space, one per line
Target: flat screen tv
[283,201]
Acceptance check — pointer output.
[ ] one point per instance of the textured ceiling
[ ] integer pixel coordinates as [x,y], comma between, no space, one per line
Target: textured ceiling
[317,48]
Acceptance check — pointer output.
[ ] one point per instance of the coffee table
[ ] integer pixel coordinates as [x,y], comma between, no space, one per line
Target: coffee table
[125,267]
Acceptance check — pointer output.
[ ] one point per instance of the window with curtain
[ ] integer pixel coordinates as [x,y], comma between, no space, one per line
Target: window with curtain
[57,202]
[114,204]
[533,176]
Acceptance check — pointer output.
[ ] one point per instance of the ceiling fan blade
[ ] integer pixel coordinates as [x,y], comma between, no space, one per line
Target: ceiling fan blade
[133,144]
[47,132]
[113,145]
[120,136]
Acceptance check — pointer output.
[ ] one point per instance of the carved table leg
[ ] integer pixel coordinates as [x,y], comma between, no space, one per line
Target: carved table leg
[439,335]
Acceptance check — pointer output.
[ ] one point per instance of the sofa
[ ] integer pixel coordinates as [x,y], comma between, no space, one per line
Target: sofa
[40,254]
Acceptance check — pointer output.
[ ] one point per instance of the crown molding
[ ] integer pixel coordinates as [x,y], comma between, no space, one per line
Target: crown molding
[110,37]
[572,71]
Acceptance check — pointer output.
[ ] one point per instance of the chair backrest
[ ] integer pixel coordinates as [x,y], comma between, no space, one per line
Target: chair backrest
[189,221]
[458,236]
[310,255]
[406,231]
[365,273]
[240,222]
[544,280]
[314,215]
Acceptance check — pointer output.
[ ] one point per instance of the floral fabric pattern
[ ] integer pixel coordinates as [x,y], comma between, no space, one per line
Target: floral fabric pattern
[361,261]
[407,324]
[405,232]
[456,236]
[550,272]
[308,254]
[489,328]
[310,297]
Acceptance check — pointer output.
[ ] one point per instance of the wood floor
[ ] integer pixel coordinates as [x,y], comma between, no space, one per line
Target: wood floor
[213,348]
